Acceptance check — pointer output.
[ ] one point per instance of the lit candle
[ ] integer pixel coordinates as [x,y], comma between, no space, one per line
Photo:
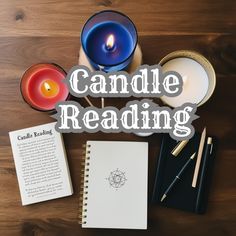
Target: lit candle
[109,39]
[42,86]
[198,77]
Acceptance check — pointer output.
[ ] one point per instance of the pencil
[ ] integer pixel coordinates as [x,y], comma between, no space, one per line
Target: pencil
[199,158]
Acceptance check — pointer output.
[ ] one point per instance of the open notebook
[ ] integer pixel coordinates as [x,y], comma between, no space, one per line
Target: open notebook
[114,192]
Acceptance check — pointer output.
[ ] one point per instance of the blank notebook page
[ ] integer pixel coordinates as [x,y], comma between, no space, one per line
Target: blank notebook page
[116,185]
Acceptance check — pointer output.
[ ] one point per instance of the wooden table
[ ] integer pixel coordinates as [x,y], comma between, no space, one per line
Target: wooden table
[49,31]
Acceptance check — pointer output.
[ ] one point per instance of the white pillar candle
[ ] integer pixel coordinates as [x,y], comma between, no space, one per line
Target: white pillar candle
[195,81]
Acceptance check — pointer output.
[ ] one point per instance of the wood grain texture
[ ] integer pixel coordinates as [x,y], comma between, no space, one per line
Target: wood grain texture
[152,17]
[49,31]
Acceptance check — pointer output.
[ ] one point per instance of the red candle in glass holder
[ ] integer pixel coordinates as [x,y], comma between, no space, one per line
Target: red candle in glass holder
[42,86]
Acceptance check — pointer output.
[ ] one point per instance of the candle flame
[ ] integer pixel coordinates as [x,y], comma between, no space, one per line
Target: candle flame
[50,88]
[110,41]
[47,86]
[185,79]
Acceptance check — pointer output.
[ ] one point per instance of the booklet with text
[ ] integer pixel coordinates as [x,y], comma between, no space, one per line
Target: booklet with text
[41,163]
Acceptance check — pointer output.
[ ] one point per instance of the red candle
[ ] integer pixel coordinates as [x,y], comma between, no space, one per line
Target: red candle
[42,86]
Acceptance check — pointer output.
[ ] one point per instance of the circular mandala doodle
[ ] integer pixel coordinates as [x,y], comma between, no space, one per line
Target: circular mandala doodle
[117,179]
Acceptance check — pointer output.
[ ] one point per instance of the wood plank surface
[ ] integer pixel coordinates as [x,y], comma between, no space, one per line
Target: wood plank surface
[49,31]
[152,17]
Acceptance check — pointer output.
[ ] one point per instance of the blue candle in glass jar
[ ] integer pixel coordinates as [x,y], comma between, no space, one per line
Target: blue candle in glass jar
[109,39]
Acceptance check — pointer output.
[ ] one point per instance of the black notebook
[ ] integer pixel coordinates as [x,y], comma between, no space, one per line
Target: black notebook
[183,196]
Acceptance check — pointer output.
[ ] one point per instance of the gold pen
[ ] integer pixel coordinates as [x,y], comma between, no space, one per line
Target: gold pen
[178,148]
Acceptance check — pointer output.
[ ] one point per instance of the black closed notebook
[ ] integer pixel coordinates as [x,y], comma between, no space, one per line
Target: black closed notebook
[183,196]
